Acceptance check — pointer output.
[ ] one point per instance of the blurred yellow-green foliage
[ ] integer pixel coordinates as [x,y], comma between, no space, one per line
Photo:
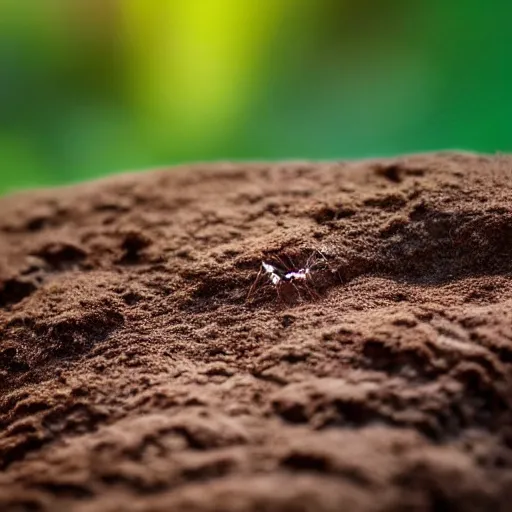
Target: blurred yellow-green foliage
[89,87]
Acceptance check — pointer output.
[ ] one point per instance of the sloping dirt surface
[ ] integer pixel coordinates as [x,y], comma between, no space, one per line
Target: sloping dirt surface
[137,375]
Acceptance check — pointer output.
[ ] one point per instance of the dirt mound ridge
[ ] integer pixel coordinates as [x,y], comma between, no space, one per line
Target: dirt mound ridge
[135,374]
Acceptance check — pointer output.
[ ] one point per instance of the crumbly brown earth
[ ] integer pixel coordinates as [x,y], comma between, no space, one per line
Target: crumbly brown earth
[135,375]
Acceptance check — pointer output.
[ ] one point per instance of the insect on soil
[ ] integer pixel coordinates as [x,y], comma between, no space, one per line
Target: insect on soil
[290,281]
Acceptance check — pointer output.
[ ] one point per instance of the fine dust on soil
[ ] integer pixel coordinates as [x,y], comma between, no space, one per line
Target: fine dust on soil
[135,375]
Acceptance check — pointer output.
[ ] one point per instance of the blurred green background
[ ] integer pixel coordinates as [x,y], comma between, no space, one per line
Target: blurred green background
[91,87]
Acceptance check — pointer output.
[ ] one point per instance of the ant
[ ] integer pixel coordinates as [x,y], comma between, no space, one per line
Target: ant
[284,275]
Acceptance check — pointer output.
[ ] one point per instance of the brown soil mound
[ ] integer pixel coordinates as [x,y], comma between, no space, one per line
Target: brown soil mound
[135,374]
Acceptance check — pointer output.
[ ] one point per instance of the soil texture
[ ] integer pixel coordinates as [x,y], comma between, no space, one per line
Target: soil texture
[143,369]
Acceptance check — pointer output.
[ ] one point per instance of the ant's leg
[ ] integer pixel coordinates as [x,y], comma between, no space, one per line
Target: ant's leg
[312,292]
[293,264]
[309,263]
[279,294]
[316,259]
[282,263]
[254,284]
[322,256]
[297,290]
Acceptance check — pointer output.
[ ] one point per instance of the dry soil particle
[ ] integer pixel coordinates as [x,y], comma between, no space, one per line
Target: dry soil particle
[135,375]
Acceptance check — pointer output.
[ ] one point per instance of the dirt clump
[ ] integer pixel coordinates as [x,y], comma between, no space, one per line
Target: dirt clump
[135,375]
